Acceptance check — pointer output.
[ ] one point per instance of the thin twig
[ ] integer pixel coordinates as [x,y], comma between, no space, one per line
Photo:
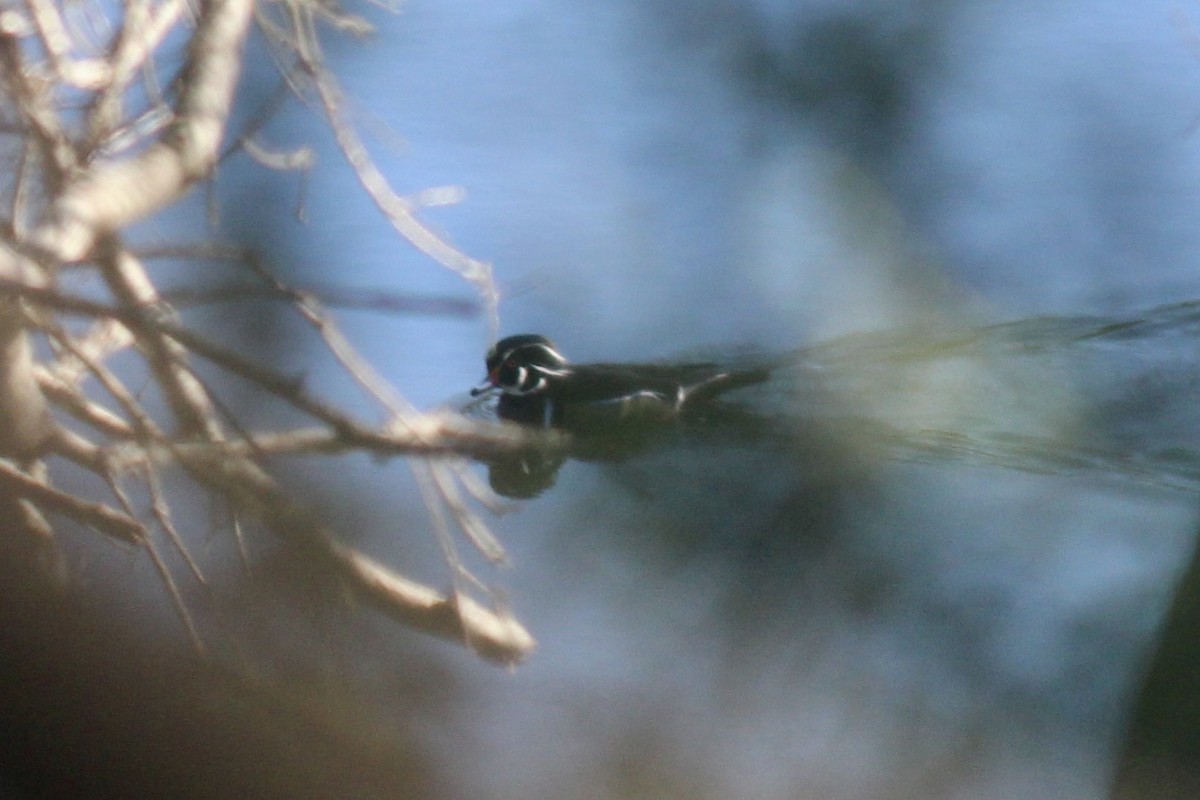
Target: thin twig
[143,30]
[162,513]
[342,297]
[21,191]
[32,99]
[81,407]
[430,434]
[113,194]
[127,279]
[103,339]
[95,515]
[355,365]
[494,636]
[143,423]
[160,566]
[437,515]
[239,537]
[88,73]
[168,581]
[395,208]
[470,523]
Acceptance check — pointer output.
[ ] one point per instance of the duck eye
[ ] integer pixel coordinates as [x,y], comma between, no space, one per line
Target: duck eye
[509,373]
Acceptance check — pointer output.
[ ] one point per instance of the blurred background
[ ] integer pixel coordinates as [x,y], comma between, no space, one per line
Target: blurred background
[929,559]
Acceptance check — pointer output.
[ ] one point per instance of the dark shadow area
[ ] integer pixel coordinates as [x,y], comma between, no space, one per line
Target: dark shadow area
[1160,757]
[93,708]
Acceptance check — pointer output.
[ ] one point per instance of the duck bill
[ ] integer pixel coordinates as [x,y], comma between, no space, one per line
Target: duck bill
[489,384]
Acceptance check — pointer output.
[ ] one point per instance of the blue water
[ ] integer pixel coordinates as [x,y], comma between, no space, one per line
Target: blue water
[936,571]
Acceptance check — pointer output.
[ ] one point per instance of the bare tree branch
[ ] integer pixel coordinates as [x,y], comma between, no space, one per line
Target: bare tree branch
[95,515]
[496,636]
[134,144]
[111,195]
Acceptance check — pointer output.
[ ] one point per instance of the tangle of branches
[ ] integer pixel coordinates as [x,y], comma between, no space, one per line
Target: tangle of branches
[99,140]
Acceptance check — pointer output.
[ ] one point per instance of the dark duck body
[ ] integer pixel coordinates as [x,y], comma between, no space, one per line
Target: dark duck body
[539,387]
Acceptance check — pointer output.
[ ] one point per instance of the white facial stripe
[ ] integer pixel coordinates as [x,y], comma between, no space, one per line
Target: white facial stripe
[516,388]
[518,377]
[548,372]
[557,356]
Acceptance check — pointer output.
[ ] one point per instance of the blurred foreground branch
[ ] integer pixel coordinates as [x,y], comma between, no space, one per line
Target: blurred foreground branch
[86,171]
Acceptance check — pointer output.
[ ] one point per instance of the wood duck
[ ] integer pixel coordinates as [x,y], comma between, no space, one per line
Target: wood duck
[539,387]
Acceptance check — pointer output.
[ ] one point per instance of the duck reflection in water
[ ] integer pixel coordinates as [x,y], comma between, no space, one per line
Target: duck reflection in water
[611,411]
